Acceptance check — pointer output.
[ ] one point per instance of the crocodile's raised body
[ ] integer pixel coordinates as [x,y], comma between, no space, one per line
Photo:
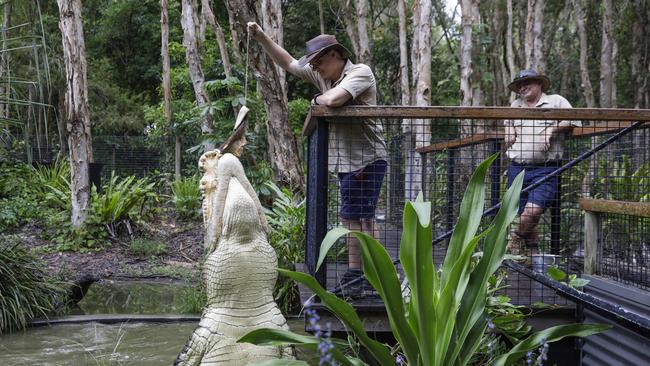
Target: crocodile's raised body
[239,272]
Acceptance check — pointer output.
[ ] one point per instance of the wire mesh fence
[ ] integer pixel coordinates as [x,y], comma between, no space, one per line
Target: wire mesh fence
[369,179]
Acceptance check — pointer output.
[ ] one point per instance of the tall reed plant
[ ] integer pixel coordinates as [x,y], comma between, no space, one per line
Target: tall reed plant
[444,320]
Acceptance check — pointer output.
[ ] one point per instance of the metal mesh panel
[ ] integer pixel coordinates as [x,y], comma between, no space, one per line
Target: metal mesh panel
[437,157]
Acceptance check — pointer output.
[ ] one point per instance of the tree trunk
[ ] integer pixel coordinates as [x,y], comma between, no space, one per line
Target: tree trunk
[607,49]
[585,82]
[193,58]
[208,15]
[534,44]
[510,54]
[76,107]
[272,19]
[420,130]
[355,18]
[4,61]
[364,56]
[403,54]
[636,60]
[283,149]
[234,34]
[166,83]
[501,74]
[321,17]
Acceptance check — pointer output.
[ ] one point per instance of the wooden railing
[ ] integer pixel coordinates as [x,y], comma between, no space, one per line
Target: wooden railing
[594,209]
[408,112]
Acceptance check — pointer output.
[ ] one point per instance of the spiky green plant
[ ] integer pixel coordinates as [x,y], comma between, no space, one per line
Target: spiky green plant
[187,197]
[443,320]
[26,289]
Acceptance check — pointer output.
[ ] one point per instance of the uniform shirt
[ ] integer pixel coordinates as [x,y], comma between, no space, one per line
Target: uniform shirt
[353,143]
[530,133]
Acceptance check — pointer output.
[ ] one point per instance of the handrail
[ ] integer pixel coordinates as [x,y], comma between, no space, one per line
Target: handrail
[641,209]
[411,112]
[585,131]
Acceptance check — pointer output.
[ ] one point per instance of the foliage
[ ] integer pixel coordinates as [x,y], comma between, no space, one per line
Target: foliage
[122,201]
[422,324]
[147,247]
[187,197]
[621,181]
[286,221]
[19,199]
[26,289]
[571,280]
[193,299]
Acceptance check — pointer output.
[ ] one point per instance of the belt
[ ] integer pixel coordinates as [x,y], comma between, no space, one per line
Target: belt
[547,164]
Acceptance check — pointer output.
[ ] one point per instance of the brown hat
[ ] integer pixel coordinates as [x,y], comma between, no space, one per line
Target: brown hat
[525,75]
[321,43]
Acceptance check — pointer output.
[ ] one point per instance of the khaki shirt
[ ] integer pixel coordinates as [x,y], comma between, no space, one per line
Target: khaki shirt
[530,133]
[353,143]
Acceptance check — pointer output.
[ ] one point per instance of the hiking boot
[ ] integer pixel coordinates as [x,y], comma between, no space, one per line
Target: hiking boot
[516,244]
[352,290]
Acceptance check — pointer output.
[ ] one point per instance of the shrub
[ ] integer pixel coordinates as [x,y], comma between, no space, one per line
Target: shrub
[187,197]
[122,202]
[147,247]
[286,221]
[26,290]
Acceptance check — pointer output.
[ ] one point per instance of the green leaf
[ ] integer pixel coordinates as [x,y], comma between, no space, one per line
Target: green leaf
[279,363]
[327,243]
[346,314]
[556,273]
[552,334]
[281,337]
[471,314]
[578,282]
[381,273]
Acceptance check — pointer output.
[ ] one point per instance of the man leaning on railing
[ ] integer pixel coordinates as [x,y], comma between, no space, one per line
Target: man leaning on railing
[535,146]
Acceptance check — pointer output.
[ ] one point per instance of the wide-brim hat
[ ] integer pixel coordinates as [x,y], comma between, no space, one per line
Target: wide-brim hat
[525,75]
[241,123]
[320,44]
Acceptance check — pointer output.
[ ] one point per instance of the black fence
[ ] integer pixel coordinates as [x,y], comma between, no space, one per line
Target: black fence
[435,151]
[119,155]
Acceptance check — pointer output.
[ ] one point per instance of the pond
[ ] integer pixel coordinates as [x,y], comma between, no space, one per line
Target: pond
[97,343]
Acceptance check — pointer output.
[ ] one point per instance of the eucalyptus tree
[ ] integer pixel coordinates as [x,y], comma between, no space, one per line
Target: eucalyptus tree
[76,112]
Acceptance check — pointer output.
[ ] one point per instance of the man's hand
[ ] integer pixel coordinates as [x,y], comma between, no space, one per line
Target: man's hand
[510,136]
[254,29]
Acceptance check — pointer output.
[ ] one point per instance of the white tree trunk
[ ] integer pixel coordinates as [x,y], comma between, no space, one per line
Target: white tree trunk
[193,58]
[76,114]
[208,15]
[364,56]
[283,149]
[510,54]
[403,54]
[420,131]
[534,45]
[272,20]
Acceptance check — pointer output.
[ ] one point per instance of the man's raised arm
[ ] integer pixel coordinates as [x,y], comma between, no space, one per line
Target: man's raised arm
[278,54]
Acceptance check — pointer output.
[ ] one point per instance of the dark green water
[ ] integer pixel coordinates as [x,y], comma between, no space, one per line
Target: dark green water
[112,344]
[130,297]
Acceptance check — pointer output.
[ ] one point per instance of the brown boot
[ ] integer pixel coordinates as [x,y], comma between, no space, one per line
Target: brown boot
[516,244]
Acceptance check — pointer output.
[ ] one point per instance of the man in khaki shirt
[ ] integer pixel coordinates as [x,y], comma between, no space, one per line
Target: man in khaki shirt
[535,146]
[357,151]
